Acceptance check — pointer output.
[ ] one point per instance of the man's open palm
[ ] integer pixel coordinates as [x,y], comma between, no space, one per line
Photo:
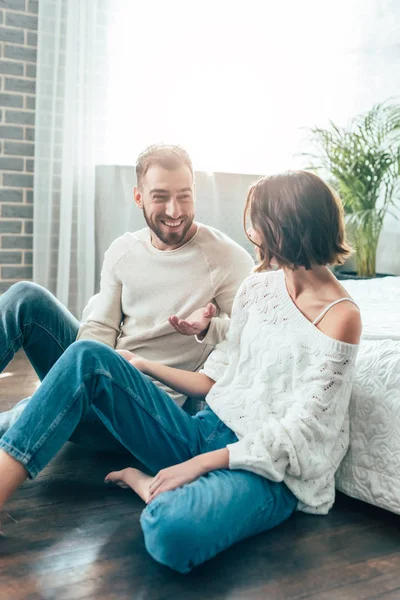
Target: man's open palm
[195,324]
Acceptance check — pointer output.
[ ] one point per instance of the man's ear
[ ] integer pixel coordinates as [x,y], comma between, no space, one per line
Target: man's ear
[137,196]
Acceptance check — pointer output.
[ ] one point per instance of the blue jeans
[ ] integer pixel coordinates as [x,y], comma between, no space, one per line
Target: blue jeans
[33,319]
[184,527]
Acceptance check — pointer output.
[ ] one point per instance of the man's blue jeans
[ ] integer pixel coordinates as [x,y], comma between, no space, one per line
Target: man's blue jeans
[33,319]
[184,527]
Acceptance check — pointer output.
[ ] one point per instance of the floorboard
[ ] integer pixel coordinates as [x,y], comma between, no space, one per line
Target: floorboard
[72,538]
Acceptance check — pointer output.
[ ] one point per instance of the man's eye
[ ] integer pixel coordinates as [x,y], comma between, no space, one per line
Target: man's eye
[187,197]
[161,198]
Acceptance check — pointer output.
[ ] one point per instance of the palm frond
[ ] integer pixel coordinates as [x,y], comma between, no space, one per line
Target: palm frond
[362,162]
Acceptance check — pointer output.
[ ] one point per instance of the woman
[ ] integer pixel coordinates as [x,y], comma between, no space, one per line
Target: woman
[277,389]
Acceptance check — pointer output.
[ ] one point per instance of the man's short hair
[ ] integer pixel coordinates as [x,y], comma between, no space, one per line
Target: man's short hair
[164,155]
[300,220]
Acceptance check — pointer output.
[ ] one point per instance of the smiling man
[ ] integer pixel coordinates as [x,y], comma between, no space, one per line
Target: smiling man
[166,198]
[175,276]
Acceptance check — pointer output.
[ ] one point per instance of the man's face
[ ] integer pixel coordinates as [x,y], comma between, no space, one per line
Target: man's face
[167,200]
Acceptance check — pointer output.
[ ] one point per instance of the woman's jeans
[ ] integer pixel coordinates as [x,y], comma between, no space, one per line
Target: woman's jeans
[182,528]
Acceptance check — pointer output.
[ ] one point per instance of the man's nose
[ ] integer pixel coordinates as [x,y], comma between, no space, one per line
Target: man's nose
[173,209]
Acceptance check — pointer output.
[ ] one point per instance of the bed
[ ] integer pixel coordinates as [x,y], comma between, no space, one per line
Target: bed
[370,470]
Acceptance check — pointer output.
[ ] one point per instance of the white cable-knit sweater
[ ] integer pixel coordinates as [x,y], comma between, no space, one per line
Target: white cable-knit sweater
[283,387]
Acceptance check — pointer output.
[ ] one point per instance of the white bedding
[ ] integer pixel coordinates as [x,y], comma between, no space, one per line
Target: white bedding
[379,302]
[370,470]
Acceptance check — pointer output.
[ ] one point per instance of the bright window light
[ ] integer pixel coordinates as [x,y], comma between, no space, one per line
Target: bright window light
[236,83]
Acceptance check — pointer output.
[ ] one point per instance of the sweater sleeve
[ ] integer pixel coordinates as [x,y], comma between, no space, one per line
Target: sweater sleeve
[217,331]
[104,322]
[235,266]
[218,361]
[300,444]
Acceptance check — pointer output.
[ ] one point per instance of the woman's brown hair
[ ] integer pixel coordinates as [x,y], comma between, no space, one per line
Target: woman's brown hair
[299,219]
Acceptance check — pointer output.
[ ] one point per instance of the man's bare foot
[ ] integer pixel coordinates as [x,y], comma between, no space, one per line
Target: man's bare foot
[12,474]
[138,481]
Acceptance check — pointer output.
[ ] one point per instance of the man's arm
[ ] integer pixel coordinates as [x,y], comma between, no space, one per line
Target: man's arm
[236,266]
[104,322]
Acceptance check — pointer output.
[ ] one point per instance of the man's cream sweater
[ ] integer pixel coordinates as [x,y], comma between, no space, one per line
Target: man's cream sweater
[142,286]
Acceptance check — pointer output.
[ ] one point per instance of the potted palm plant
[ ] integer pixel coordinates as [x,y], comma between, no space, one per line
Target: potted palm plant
[362,162]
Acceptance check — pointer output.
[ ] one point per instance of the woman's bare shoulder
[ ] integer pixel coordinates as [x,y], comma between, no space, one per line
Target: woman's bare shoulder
[343,322]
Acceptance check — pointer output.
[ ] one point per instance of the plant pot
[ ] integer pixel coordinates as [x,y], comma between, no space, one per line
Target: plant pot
[343,275]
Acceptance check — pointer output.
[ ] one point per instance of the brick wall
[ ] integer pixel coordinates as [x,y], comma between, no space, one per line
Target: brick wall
[18,43]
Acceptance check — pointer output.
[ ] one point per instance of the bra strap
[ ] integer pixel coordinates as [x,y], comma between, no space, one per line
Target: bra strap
[321,316]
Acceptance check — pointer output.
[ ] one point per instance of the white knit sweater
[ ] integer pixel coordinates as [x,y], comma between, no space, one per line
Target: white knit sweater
[283,387]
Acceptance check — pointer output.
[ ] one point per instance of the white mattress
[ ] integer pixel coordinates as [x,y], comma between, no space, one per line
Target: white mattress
[370,470]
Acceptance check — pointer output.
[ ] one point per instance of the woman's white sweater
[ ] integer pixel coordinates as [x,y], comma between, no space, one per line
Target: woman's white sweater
[283,387]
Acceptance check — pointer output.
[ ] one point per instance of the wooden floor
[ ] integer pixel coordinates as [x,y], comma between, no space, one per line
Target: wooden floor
[71,538]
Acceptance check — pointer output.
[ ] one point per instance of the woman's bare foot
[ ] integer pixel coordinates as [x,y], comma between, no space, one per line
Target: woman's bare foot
[138,481]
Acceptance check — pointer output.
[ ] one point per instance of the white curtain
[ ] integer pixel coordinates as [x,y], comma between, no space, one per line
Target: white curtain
[71,70]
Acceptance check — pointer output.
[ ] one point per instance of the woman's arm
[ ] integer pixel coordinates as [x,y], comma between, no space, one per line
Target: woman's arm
[188,471]
[195,385]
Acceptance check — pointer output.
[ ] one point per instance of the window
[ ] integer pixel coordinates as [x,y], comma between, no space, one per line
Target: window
[236,83]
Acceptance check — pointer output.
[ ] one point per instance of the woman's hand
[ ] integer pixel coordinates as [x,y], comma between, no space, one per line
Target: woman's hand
[137,361]
[197,323]
[176,476]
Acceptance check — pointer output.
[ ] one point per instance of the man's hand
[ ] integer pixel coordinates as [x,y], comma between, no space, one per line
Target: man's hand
[135,360]
[197,323]
[176,476]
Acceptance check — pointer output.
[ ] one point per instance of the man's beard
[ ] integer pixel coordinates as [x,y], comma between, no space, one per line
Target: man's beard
[172,238]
